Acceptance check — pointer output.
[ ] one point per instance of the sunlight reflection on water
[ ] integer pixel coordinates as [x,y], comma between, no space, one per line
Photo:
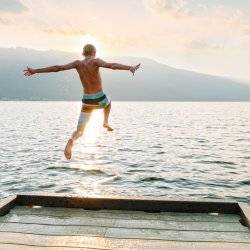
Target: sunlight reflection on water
[87,145]
[93,128]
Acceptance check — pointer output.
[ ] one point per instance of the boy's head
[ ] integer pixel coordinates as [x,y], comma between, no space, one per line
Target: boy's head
[89,50]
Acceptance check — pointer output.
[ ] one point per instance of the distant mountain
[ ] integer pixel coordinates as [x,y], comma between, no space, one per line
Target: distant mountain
[153,82]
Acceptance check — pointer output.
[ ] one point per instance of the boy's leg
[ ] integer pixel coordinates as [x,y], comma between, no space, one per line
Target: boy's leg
[68,148]
[106,117]
[82,121]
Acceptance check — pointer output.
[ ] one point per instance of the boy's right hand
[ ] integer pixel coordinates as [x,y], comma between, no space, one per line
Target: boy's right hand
[29,71]
[134,68]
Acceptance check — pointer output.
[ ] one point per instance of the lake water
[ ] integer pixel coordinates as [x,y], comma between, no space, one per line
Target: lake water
[161,149]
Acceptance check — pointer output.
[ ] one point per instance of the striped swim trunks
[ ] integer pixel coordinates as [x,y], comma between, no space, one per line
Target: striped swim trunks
[90,102]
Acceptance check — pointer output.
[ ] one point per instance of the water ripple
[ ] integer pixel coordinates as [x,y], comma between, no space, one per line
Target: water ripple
[217,162]
[152,179]
[178,150]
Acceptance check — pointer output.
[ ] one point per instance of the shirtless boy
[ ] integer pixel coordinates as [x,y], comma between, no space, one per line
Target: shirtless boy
[93,96]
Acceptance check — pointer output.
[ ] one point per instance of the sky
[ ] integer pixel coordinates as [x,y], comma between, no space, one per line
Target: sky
[209,36]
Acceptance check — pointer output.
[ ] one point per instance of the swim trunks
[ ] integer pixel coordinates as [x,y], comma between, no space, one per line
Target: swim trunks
[89,103]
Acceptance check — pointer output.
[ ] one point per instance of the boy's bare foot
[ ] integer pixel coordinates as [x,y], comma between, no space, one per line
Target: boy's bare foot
[107,127]
[67,150]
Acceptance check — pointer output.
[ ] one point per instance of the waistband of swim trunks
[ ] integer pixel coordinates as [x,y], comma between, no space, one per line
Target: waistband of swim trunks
[93,96]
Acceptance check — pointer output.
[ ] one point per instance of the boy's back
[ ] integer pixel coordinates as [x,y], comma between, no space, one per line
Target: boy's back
[89,74]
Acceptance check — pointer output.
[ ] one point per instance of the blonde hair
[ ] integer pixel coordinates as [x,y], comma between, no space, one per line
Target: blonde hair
[89,49]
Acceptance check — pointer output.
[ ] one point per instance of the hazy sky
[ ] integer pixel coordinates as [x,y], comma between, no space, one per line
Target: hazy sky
[211,36]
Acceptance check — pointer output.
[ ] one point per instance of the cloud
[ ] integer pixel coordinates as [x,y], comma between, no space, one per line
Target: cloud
[4,21]
[201,44]
[203,26]
[12,6]
[65,31]
[247,31]
[176,7]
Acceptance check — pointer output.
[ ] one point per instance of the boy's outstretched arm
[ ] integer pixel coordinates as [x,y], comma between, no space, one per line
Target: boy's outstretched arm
[103,64]
[55,68]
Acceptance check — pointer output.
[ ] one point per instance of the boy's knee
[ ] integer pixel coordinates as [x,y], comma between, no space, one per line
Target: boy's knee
[79,131]
[108,106]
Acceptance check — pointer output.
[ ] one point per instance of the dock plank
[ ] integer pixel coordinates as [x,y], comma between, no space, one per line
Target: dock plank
[63,221]
[178,235]
[51,229]
[181,225]
[123,223]
[6,204]
[245,213]
[123,214]
[55,241]
[28,247]
[26,241]
[127,232]
[128,203]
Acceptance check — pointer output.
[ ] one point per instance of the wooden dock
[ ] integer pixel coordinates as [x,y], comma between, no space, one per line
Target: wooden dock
[52,221]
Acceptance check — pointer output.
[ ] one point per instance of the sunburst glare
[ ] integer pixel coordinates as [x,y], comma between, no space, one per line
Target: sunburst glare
[93,40]
[93,127]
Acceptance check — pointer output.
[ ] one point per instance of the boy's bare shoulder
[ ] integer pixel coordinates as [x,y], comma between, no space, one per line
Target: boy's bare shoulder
[98,62]
[77,62]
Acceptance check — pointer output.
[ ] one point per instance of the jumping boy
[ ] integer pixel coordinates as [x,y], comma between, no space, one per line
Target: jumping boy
[93,97]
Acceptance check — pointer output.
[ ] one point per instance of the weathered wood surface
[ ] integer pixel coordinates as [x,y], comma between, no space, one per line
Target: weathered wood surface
[6,204]
[134,204]
[35,222]
[121,223]
[104,219]
[123,214]
[26,241]
[245,213]
[128,233]
[125,203]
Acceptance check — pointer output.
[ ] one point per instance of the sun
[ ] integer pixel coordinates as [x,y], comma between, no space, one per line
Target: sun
[93,40]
